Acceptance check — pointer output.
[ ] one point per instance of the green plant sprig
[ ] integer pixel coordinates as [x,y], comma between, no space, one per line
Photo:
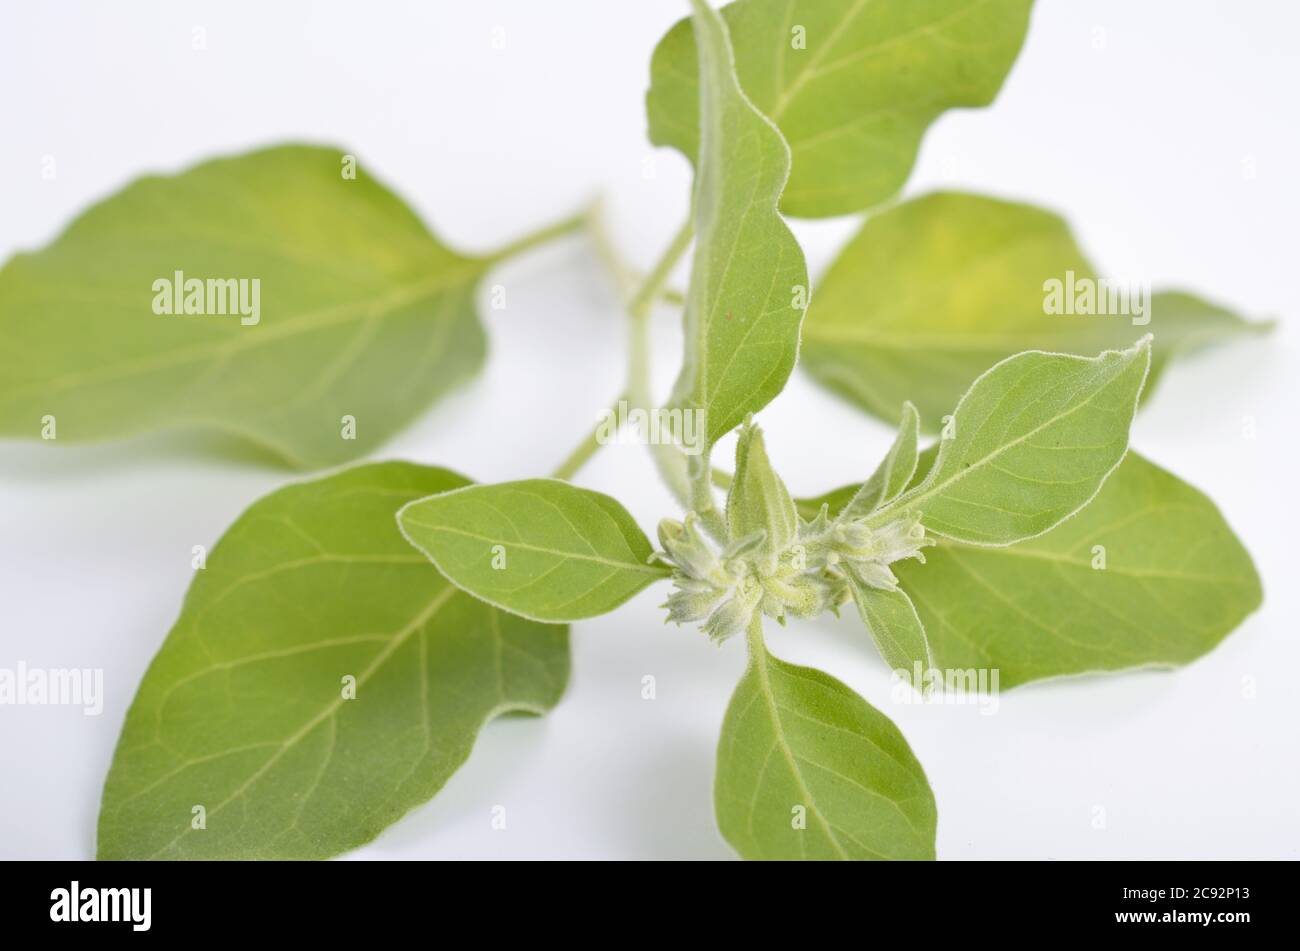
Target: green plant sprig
[350,635]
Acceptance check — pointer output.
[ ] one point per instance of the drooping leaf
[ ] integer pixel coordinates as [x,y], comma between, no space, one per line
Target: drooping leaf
[243,741]
[1031,443]
[748,287]
[1148,574]
[539,548]
[758,500]
[360,311]
[807,769]
[894,626]
[932,292]
[852,84]
[894,472]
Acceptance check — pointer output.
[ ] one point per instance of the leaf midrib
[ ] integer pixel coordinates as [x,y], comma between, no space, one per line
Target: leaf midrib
[306,322]
[760,656]
[958,549]
[559,553]
[978,465]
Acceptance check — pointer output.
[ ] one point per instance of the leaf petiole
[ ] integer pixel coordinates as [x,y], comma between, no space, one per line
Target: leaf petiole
[589,446]
[533,239]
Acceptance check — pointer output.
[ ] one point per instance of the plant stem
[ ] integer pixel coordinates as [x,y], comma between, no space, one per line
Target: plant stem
[565,226]
[590,445]
[637,390]
[665,457]
[624,277]
[653,284]
[700,472]
[754,637]
[695,492]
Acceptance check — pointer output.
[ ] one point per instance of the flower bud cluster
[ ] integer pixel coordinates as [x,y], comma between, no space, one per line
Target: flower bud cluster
[721,589]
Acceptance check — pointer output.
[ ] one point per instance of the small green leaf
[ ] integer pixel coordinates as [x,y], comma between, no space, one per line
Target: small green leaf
[807,769]
[362,317]
[758,500]
[931,292]
[893,624]
[836,500]
[321,681]
[852,84]
[749,284]
[1149,574]
[539,548]
[894,472]
[1030,444]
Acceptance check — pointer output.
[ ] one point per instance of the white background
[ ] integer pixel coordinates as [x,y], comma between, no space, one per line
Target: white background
[1141,122]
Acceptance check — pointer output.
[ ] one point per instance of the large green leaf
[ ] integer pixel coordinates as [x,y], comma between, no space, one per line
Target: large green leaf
[1149,574]
[361,313]
[855,100]
[243,712]
[1033,439]
[807,769]
[930,293]
[748,287]
[539,548]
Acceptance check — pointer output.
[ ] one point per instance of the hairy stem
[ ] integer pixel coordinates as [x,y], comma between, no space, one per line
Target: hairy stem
[653,284]
[627,278]
[754,637]
[590,445]
[638,368]
[637,390]
[700,473]
[565,226]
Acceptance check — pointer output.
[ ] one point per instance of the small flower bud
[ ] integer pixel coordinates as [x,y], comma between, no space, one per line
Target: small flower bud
[687,547]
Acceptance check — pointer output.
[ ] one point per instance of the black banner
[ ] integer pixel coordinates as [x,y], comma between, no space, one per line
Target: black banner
[948,900]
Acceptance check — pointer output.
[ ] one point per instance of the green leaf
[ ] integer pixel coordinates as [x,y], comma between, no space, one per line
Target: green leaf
[539,548]
[856,100]
[758,500]
[798,745]
[933,291]
[244,712]
[1033,440]
[361,312]
[836,500]
[894,472]
[893,624]
[748,286]
[1149,574]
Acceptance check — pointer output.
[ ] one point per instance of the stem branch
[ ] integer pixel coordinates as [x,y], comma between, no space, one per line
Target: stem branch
[637,390]
[666,457]
[590,445]
[565,226]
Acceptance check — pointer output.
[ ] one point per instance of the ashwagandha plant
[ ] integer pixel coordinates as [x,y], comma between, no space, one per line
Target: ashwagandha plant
[349,636]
